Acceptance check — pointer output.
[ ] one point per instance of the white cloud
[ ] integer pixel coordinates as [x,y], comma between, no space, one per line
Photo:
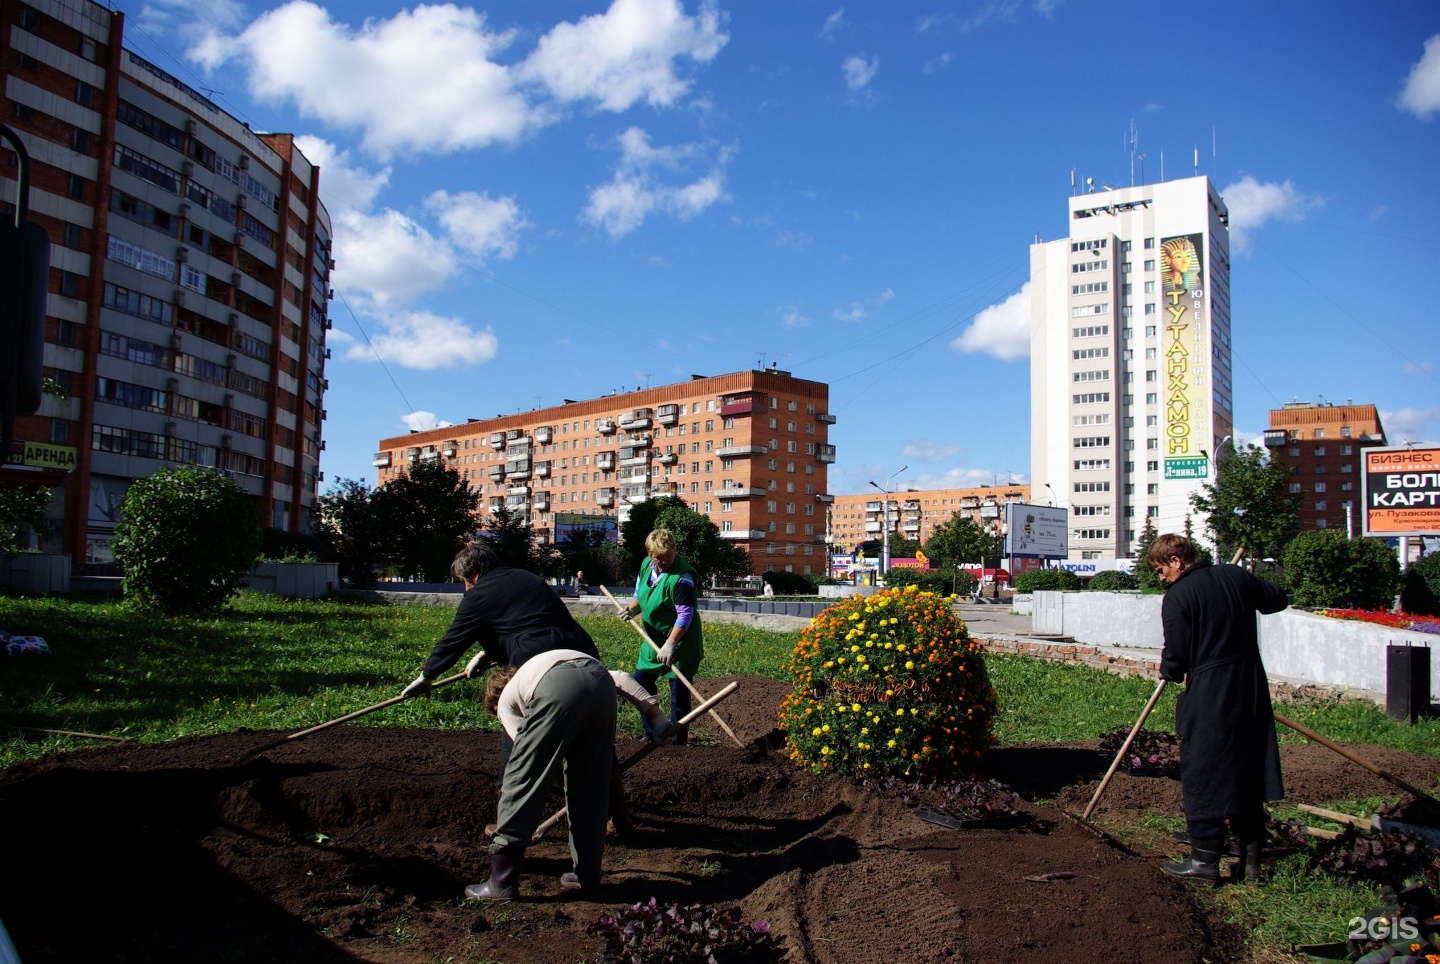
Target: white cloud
[627,54]
[423,421]
[482,225]
[859,72]
[792,317]
[192,20]
[636,191]
[1253,203]
[1415,426]
[386,78]
[1001,331]
[963,478]
[859,310]
[342,184]
[1421,94]
[928,450]
[833,25]
[1419,368]
[420,339]
[1003,10]
[390,256]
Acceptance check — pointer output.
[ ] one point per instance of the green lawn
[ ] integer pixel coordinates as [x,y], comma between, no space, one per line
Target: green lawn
[273,664]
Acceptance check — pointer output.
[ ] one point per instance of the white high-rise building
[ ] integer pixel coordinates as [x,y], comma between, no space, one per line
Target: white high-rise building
[1130,386]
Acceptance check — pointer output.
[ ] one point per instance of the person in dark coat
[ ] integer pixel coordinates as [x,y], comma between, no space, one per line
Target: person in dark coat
[1229,753]
[512,613]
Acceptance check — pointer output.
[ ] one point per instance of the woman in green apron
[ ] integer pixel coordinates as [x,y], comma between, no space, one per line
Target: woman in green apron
[665,596]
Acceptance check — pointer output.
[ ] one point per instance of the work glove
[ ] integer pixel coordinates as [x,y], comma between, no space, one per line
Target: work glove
[625,614]
[663,732]
[421,687]
[479,664]
[667,652]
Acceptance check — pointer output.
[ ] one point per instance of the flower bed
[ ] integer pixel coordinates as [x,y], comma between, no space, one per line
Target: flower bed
[888,684]
[1385,617]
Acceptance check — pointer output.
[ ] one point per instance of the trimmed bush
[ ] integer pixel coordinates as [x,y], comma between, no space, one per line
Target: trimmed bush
[938,582]
[1325,569]
[789,583]
[1112,580]
[1048,580]
[186,541]
[888,685]
[1420,586]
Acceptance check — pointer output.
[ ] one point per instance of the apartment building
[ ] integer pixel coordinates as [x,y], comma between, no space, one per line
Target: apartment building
[189,279]
[855,519]
[750,450]
[1130,383]
[1321,444]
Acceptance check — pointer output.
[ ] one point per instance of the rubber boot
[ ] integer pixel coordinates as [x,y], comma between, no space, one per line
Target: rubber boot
[504,882]
[1203,864]
[1254,870]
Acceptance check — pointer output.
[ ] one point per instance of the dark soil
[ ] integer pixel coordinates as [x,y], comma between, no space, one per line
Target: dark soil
[356,843]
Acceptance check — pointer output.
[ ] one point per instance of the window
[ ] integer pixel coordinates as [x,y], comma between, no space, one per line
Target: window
[75,187]
[1320,506]
[84,94]
[1319,486]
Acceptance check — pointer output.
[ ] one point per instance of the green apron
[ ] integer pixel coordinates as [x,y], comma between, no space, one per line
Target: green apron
[657,606]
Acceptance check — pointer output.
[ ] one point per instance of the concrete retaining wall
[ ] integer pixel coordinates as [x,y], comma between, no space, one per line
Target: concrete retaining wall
[1296,645]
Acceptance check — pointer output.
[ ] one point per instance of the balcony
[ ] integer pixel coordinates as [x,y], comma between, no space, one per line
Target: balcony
[542,470]
[541,502]
[639,441]
[825,417]
[666,458]
[496,473]
[1275,438]
[412,454]
[497,441]
[738,535]
[826,453]
[635,493]
[825,497]
[381,460]
[493,504]
[517,503]
[511,434]
[605,498]
[605,461]
[667,414]
[738,492]
[429,454]
[662,489]
[450,448]
[740,451]
[605,426]
[739,405]
[522,491]
[543,434]
[636,420]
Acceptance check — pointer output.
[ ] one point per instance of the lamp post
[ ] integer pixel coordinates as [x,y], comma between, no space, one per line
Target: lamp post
[885,521]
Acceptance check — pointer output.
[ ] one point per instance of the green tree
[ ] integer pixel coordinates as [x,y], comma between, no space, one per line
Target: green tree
[350,532]
[1324,568]
[1145,577]
[22,510]
[510,534]
[1249,504]
[960,540]
[580,550]
[186,541]
[639,523]
[698,540]
[1420,587]
[423,518]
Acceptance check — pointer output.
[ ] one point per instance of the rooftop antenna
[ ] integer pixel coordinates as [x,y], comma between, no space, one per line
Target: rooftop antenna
[761,363]
[647,379]
[1197,161]
[1072,182]
[1132,141]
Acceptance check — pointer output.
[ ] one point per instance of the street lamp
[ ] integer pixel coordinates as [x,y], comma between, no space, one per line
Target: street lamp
[885,522]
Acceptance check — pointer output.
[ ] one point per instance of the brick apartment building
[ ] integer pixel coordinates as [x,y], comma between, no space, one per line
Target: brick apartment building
[189,279]
[750,450]
[1321,444]
[855,519]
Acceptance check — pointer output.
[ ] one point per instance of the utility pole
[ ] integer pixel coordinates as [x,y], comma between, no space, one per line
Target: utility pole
[885,521]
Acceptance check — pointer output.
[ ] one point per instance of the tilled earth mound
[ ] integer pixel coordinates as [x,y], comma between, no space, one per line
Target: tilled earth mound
[356,843]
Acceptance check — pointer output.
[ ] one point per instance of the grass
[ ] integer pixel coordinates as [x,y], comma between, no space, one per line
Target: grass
[267,663]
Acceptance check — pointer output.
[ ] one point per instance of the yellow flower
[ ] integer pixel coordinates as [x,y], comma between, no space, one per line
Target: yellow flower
[825,728]
[817,731]
[855,707]
[909,664]
[891,744]
[825,751]
[854,649]
[900,712]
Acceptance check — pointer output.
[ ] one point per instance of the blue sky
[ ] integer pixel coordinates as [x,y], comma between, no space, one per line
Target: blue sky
[545,200]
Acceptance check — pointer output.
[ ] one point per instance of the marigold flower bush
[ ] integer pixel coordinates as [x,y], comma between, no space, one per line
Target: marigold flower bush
[888,685]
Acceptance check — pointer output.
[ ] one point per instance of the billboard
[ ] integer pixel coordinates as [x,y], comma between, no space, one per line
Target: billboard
[1036,531]
[1401,489]
[1185,357]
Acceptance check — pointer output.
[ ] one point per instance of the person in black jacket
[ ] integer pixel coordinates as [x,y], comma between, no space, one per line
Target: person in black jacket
[512,613]
[1229,753]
